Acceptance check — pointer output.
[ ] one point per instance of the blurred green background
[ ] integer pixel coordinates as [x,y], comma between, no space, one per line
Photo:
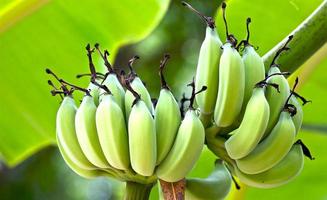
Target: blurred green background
[35,34]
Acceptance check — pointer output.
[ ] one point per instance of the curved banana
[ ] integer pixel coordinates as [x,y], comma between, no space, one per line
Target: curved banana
[231,87]
[208,65]
[167,117]
[94,92]
[111,81]
[245,138]
[276,99]
[137,85]
[187,146]
[142,139]
[254,68]
[112,133]
[272,149]
[282,173]
[216,186]
[298,117]
[231,82]
[66,134]
[87,133]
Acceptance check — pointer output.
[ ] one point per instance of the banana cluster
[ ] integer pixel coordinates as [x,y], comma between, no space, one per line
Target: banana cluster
[117,131]
[253,112]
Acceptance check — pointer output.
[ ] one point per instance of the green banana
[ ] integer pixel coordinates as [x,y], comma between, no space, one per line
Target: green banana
[66,134]
[187,146]
[216,186]
[141,136]
[254,68]
[137,85]
[87,133]
[285,171]
[112,133]
[272,149]
[245,138]
[208,65]
[276,99]
[167,117]
[94,92]
[231,82]
[111,81]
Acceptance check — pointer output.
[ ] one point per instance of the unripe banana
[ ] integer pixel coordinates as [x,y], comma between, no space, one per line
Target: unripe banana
[208,65]
[216,186]
[245,138]
[254,68]
[111,81]
[272,149]
[138,86]
[282,173]
[66,134]
[231,82]
[87,133]
[112,133]
[231,87]
[167,117]
[298,117]
[185,151]
[187,146]
[276,99]
[142,139]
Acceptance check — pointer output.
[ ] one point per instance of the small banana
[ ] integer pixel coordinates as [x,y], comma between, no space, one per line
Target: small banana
[112,133]
[137,85]
[245,138]
[282,173]
[254,68]
[111,81]
[187,146]
[65,127]
[87,133]
[231,83]
[276,99]
[141,136]
[208,65]
[167,117]
[273,148]
[66,134]
[216,186]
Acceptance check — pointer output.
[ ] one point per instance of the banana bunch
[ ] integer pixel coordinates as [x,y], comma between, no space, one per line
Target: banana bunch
[117,132]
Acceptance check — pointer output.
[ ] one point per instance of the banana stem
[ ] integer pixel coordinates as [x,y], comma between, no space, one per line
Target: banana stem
[137,191]
[309,36]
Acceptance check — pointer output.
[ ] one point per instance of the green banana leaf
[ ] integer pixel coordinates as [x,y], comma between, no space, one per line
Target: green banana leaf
[54,34]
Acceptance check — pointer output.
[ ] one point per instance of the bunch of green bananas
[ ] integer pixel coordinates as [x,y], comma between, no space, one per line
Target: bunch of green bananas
[251,116]
[248,117]
[121,133]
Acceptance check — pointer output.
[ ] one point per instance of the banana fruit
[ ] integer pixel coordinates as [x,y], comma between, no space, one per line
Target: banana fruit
[187,146]
[208,65]
[87,134]
[112,133]
[272,149]
[282,173]
[245,138]
[167,117]
[216,186]
[137,85]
